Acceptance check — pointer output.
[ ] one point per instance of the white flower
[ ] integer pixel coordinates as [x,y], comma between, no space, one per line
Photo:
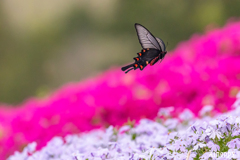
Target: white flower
[238,95]
[206,109]
[215,133]
[165,111]
[186,115]
[199,145]
[237,103]
[237,121]
[124,128]
[171,123]
[214,123]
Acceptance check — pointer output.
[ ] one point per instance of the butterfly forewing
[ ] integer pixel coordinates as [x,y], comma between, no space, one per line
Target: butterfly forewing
[146,39]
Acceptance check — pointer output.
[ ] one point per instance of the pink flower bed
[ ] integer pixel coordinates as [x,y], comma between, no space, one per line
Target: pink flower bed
[203,70]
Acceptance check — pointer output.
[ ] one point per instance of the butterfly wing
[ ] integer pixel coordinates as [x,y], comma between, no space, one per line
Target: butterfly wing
[146,39]
[162,44]
[154,61]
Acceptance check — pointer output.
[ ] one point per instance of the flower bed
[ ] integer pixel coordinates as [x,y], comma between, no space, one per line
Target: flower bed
[202,71]
[185,137]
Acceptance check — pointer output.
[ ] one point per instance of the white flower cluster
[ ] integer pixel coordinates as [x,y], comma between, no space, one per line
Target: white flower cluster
[183,138]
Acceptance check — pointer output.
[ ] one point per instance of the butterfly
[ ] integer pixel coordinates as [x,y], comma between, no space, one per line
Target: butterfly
[153,49]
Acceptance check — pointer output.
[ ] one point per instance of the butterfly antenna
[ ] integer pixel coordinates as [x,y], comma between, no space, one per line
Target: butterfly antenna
[167,45]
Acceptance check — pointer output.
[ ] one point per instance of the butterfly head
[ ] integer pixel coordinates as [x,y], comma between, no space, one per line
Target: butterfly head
[164,53]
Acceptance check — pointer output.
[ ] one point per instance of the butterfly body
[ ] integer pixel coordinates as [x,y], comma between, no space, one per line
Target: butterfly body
[153,50]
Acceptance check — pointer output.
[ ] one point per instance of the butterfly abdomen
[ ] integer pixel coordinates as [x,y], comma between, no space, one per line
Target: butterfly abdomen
[136,59]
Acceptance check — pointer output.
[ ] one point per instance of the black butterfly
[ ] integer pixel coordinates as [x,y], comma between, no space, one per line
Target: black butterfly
[153,49]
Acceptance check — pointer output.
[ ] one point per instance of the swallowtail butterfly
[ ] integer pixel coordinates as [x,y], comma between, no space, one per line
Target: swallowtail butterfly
[153,49]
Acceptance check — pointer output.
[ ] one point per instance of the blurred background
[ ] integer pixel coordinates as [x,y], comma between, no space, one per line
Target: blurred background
[47,43]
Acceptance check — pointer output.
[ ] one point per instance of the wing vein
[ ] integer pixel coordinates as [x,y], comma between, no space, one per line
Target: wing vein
[146,39]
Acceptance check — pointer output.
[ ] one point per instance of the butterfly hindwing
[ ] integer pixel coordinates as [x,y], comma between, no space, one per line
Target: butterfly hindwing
[154,61]
[162,44]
